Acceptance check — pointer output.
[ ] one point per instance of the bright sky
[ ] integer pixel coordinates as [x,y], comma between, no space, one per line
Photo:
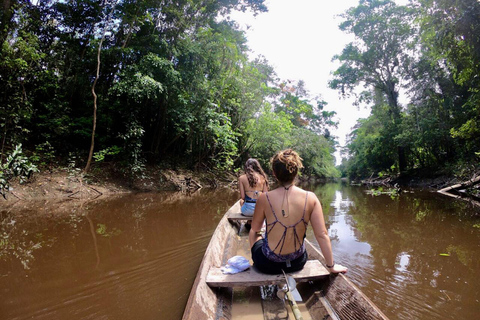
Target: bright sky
[299,39]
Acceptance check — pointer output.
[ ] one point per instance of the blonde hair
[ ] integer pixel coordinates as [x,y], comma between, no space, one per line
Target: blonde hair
[286,164]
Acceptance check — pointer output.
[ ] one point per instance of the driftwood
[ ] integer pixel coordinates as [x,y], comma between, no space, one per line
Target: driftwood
[190,183]
[457,191]
[378,181]
[461,186]
[462,197]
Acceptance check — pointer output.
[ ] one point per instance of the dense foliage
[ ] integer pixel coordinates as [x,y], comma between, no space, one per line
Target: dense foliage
[174,85]
[430,52]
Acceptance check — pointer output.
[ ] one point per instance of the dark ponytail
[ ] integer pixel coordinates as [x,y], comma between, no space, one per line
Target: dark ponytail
[252,166]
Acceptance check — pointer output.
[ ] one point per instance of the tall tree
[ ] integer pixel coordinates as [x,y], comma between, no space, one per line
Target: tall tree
[378,56]
[451,32]
[107,25]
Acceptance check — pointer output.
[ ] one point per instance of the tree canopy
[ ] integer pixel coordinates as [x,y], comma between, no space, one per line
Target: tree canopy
[149,81]
[175,85]
[418,65]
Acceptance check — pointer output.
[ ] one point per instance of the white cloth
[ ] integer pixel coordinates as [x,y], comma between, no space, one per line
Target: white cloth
[235,264]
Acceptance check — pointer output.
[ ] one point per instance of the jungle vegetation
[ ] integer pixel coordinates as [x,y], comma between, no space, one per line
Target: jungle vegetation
[417,67]
[154,81]
[171,82]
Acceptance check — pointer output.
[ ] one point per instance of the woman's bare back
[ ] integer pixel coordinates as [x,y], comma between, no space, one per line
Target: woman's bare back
[292,209]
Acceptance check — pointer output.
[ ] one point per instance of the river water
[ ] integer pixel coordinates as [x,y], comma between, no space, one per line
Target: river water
[135,256]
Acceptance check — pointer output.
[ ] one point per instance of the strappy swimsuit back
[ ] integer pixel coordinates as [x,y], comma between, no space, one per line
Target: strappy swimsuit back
[270,254]
[256,193]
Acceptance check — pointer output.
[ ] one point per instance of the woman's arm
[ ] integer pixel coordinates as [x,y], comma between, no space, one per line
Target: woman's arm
[242,190]
[265,187]
[321,234]
[257,220]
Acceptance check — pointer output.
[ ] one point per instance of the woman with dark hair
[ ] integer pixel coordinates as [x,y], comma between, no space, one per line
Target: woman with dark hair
[251,185]
[287,211]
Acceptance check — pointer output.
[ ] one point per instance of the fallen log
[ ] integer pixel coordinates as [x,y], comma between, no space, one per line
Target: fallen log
[461,186]
[454,191]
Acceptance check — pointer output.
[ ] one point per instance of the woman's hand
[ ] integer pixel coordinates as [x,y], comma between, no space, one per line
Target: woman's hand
[338,268]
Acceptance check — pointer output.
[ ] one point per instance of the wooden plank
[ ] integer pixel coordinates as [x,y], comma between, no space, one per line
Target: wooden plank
[329,308]
[234,216]
[313,269]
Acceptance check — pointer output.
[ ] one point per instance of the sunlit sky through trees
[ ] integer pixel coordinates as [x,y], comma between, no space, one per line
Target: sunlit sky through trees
[299,39]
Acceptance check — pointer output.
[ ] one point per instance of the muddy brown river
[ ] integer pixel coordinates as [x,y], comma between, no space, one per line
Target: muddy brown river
[135,256]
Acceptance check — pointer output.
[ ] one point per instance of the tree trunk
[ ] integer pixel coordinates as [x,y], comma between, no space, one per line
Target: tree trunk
[92,143]
[159,131]
[4,139]
[402,160]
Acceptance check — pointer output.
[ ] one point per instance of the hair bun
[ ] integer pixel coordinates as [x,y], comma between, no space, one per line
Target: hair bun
[290,159]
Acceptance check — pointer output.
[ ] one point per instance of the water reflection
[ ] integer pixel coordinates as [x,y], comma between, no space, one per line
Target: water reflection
[394,245]
[135,256]
[341,227]
[128,257]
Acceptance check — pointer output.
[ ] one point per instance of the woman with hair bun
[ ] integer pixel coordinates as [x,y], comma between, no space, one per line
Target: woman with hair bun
[287,211]
[251,185]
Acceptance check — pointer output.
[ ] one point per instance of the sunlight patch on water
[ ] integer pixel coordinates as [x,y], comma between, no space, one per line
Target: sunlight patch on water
[402,262]
[344,237]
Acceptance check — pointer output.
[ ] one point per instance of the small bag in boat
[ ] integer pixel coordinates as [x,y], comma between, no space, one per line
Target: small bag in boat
[236,264]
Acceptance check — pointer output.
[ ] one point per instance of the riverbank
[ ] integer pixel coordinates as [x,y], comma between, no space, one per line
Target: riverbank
[433,183]
[63,183]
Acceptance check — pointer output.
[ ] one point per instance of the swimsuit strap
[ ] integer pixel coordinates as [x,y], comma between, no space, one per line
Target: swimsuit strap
[305,207]
[255,192]
[268,199]
[284,235]
[301,219]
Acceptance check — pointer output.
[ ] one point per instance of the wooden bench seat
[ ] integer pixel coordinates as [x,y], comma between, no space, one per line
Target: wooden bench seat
[313,269]
[235,216]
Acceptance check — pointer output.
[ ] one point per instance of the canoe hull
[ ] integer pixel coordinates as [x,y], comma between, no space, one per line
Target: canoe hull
[333,296]
[205,302]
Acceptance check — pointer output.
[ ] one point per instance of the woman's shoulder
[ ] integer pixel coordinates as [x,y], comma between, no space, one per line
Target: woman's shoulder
[301,190]
[312,198]
[308,194]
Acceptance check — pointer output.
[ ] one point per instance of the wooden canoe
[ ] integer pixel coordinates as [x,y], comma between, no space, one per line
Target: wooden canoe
[324,296]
